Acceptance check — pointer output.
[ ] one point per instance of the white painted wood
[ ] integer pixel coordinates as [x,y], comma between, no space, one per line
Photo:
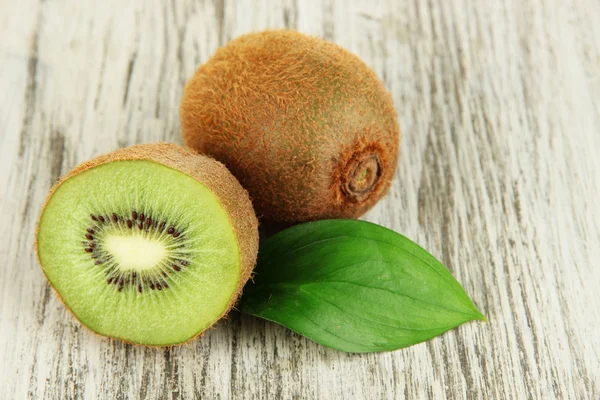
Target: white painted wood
[499,104]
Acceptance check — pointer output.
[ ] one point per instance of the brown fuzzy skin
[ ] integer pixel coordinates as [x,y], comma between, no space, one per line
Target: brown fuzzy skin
[292,116]
[214,175]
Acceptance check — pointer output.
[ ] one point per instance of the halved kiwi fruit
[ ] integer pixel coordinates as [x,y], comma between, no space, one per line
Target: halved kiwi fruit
[308,129]
[150,244]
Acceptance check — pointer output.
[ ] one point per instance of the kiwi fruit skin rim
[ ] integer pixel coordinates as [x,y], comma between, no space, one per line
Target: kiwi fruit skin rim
[232,197]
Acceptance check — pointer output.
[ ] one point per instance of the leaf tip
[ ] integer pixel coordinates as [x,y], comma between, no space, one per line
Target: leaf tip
[480,317]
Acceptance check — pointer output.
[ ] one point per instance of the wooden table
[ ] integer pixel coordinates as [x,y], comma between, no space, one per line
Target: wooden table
[499,177]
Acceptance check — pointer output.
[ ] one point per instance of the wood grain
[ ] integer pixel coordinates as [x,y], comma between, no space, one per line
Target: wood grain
[499,177]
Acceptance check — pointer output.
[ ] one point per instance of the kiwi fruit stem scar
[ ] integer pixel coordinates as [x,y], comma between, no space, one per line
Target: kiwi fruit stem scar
[150,244]
[362,175]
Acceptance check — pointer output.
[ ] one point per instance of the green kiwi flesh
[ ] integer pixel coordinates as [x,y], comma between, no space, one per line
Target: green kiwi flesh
[140,251]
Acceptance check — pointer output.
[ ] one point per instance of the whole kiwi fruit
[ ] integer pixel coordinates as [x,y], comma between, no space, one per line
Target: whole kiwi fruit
[150,244]
[306,126]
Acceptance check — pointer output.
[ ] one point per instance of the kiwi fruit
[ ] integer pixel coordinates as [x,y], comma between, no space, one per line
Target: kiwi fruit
[306,126]
[150,244]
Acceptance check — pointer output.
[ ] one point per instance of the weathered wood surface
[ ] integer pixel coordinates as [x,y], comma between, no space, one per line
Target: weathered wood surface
[499,104]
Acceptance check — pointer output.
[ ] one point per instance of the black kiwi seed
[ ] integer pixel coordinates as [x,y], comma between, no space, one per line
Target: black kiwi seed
[130,278]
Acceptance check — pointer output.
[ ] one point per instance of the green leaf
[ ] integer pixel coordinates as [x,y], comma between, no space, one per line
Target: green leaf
[355,286]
